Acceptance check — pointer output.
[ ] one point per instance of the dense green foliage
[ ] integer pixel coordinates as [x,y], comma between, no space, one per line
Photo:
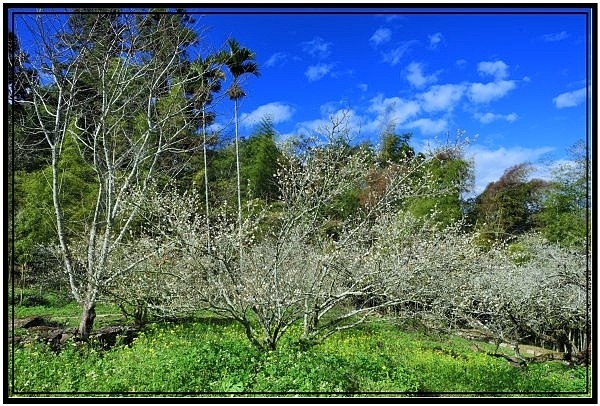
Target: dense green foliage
[260,158]
[451,175]
[35,224]
[395,148]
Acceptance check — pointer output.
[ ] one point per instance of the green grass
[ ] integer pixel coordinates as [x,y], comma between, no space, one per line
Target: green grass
[213,356]
[59,307]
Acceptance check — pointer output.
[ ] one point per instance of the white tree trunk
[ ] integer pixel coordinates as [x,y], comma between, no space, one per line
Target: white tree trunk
[239,190]
[125,161]
[205,177]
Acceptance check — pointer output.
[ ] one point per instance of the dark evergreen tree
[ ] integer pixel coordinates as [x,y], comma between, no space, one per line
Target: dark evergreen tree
[506,208]
[20,73]
[92,34]
[260,161]
[451,176]
[25,145]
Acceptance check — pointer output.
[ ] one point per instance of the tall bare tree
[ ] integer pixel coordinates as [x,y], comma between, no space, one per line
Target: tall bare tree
[118,109]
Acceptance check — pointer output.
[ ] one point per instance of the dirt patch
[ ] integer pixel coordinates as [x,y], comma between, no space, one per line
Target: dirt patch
[33,321]
[42,330]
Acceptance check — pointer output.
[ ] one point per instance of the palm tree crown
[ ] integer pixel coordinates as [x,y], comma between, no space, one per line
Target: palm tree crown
[239,61]
[208,77]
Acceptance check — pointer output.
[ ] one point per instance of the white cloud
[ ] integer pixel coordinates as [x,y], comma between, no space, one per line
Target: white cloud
[363,86]
[497,69]
[490,164]
[570,99]
[434,40]
[393,56]
[486,92]
[511,117]
[428,126]
[489,117]
[352,123]
[380,36]
[557,36]
[311,126]
[278,112]
[392,110]
[317,72]
[392,17]
[331,107]
[278,58]
[317,47]
[416,77]
[442,97]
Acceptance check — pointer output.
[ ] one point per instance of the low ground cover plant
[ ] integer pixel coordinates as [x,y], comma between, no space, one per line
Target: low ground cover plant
[212,357]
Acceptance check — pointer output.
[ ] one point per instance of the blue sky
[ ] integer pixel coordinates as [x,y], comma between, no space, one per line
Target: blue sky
[515,83]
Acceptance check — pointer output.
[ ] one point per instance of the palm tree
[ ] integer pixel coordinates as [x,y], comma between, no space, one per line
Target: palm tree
[208,81]
[240,61]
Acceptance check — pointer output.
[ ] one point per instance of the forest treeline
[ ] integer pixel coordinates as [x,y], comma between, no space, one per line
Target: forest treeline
[122,192]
